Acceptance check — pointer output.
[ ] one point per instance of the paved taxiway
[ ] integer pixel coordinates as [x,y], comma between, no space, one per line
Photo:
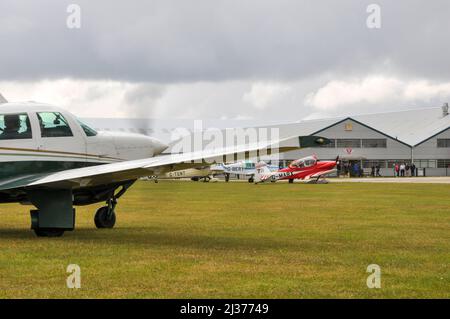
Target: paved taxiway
[427,180]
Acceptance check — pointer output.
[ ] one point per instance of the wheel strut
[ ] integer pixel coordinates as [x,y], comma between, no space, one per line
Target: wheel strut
[112,202]
[105,217]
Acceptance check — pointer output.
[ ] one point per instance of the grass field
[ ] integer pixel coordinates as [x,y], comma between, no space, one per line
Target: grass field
[206,240]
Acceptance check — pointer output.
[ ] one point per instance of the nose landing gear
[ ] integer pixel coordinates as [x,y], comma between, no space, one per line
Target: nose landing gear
[105,217]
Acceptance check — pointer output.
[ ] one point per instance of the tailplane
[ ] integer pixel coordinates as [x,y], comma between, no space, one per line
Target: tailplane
[262,172]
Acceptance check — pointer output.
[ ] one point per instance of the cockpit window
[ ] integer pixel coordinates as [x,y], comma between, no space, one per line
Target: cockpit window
[53,124]
[87,130]
[305,162]
[15,126]
[249,165]
[298,164]
[310,162]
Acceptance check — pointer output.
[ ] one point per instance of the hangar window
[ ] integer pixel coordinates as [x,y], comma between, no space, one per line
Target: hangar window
[53,124]
[331,145]
[443,163]
[353,142]
[374,143]
[15,126]
[425,163]
[443,142]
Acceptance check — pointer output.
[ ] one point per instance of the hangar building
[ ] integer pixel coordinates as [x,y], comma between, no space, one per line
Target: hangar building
[419,136]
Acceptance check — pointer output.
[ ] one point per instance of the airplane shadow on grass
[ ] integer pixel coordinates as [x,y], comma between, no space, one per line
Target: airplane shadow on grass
[153,236]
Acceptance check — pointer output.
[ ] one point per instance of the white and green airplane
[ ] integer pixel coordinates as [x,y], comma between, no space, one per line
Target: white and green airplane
[50,159]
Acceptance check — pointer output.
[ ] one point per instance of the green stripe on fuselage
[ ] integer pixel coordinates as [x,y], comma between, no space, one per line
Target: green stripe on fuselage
[13,170]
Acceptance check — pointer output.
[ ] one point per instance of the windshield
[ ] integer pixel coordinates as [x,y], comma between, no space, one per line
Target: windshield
[304,162]
[249,165]
[87,130]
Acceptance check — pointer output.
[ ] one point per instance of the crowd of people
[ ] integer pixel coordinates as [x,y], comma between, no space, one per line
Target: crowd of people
[349,169]
[404,169]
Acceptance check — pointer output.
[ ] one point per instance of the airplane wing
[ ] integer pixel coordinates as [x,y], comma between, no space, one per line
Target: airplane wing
[315,175]
[130,170]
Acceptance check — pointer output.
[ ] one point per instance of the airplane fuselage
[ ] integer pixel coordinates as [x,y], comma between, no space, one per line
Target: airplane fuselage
[38,139]
[320,168]
[304,168]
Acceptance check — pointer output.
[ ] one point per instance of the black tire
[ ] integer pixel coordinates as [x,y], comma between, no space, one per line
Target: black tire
[291,181]
[227,177]
[102,220]
[251,180]
[49,232]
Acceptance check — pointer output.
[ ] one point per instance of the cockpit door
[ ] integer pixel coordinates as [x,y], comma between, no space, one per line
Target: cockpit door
[18,145]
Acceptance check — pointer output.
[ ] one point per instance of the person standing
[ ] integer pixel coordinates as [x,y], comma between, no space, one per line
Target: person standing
[356,170]
[402,169]
[378,170]
[396,169]
[413,170]
[372,172]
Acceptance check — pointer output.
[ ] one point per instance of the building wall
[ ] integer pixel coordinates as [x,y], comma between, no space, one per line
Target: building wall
[429,149]
[394,149]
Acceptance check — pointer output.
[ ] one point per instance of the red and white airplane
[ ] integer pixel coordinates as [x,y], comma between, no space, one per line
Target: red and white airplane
[304,168]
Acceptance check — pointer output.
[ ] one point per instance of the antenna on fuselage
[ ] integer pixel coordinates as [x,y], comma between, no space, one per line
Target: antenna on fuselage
[2,99]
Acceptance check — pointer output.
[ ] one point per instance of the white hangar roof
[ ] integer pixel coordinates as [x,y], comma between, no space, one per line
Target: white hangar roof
[411,127]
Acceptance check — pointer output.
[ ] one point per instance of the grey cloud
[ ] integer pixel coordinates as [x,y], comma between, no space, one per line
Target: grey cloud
[142,99]
[186,41]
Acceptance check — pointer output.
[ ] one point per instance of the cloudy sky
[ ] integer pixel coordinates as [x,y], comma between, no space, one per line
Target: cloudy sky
[249,59]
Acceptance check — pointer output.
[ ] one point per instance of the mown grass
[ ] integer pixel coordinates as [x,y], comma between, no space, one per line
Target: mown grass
[210,240]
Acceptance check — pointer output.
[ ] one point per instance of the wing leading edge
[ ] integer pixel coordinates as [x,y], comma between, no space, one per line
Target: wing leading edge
[129,170]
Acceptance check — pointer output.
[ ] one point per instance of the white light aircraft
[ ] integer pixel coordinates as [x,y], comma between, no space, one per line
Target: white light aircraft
[245,168]
[51,160]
